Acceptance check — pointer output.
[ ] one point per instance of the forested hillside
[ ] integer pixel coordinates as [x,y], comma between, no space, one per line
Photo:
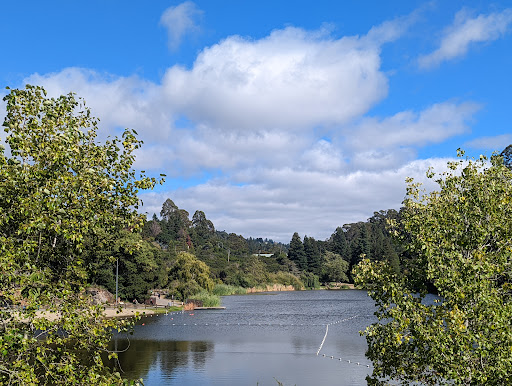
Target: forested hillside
[157,257]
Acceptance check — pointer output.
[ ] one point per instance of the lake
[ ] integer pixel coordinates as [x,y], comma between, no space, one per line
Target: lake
[258,339]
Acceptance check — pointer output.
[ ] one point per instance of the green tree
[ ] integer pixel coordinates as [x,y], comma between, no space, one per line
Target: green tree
[175,223]
[141,264]
[339,244]
[57,187]
[313,257]
[203,228]
[361,244]
[296,252]
[461,236]
[189,275]
[507,156]
[334,268]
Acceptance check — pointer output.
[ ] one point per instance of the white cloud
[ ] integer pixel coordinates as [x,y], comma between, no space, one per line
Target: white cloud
[467,30]
[118,101]
[292,79]
[408,128]
[323,156]
[259,113]
[180,20]
[282,201]
[495,143]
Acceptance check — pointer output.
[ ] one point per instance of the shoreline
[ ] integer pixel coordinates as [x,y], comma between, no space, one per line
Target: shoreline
[113,312]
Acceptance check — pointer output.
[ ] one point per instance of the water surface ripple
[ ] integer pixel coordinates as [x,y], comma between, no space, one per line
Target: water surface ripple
[258,339]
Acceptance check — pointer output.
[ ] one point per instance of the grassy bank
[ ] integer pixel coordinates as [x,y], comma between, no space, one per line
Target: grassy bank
[225,290]
[208,299]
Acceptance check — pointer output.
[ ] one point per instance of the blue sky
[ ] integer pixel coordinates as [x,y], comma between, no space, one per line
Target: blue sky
[276,117]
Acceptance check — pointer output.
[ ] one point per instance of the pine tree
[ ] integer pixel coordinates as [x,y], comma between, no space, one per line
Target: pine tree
[313,257]
[296,252]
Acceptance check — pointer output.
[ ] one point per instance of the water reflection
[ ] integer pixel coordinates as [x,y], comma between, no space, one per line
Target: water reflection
[257,339]
[137,357]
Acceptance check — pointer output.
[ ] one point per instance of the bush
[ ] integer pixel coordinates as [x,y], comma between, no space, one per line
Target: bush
[208,299]
[287,278]
[226,289]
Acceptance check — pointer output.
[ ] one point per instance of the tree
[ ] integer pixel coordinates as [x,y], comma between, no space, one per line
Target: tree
[339,244]
[152,228]
[313,257]
[175,222]
[461,236]
[203,228]
[507,156]
[335,268]
[189,275]
[296,252]
[362,244]
[58,187]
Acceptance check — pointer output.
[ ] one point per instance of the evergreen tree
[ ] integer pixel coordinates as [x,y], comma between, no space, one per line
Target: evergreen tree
[339,244]
[296,252]
[362,244]
[313,257]
[203,228]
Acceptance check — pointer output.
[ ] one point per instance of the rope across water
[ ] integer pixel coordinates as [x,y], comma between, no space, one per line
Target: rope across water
[274,324]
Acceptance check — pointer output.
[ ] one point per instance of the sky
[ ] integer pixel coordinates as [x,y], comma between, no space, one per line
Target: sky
[275,117]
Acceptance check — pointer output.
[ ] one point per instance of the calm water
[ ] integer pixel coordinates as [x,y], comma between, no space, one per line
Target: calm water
[257,340]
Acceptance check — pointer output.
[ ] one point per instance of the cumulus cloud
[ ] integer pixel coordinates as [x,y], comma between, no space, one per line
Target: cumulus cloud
[495,143]
[292,79]
[434,124]
[280,122]
[119,101]
[283,201]
[323,156]
[179,21]
[464,32]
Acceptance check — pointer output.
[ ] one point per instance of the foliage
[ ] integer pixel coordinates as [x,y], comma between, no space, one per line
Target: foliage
[57,187]
[313,256]
[507,156]
[141,264]
[225,290]
[461,238]
[310,280]
[208,299]
[296,252]
[339,244]
[189,275]
[335,268]
[286,278]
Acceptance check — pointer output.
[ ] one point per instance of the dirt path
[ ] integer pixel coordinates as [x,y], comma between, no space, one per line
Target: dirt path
[109,313]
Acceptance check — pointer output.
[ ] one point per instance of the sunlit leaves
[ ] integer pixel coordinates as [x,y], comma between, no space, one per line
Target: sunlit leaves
[461,239]
[57,186]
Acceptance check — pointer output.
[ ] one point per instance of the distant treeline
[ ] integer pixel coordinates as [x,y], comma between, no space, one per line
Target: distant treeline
[149,260]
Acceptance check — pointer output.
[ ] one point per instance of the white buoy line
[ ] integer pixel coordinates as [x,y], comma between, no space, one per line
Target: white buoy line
[327,330]
[274,325]
[332,356]
[351,362]
[244,323]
